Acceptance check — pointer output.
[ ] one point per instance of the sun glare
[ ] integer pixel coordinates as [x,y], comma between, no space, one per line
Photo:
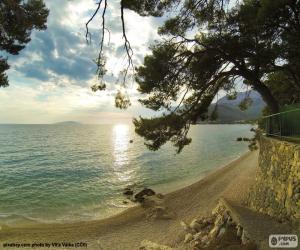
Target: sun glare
[120,144]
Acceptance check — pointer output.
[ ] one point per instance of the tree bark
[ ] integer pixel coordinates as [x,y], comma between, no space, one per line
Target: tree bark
[267,96]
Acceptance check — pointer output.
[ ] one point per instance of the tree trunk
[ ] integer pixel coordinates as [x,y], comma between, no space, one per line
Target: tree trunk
[267,97]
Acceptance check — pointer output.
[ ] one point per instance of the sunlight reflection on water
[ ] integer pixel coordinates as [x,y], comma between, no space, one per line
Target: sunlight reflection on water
[121,159]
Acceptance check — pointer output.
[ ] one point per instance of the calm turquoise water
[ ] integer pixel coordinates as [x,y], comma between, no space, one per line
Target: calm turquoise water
[77,172]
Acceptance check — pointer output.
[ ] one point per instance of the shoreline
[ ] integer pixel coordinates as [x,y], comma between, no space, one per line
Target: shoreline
[22,221]
[165,189]
[132,226]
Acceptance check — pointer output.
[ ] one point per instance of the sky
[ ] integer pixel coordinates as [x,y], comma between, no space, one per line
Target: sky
[50,79]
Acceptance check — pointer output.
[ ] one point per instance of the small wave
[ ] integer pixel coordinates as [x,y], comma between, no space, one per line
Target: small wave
[15,220]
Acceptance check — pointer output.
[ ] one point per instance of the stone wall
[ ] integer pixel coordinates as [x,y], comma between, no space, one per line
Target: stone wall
[277,188]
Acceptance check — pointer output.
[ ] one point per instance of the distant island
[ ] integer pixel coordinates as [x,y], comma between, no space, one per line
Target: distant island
[67,123]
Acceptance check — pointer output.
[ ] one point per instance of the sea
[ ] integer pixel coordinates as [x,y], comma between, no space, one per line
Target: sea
[68,173]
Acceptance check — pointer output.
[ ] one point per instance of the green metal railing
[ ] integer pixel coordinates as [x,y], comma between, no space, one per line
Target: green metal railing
[284,124]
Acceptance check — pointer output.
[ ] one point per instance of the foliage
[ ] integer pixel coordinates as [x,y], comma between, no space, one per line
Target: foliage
[282,88]
[245,104]
[17,20]
[98,86]
[122,100]
[149,7]
[253,41]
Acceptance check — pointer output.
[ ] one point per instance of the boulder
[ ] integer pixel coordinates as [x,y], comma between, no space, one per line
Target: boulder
[128,192]
[245,237]
[145,192]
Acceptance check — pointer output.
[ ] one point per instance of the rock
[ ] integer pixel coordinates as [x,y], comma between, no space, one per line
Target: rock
[205,239]
[221,232]
[214,232]
[188,237]
[219,220]
[195,245]
[226,216]
[229,221]
[208,221]
[195,225]
[125,202]
[187,228]
[128,192]
[145,192]
[297,189]
[184,225]
[245,237]
[296,196]
[198,236]
[149,245]
[219,209]
[239,231]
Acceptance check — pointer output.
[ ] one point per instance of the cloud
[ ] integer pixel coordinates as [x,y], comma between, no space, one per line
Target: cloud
[50,79]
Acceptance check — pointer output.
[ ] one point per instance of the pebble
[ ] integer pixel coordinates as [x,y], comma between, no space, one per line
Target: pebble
[198,236]
[221,232]
[297,196]
[195,225]
[219,220]
[184,225]
[214,232]
[188,237]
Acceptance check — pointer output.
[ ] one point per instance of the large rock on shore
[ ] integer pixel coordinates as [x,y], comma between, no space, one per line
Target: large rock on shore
[140,196]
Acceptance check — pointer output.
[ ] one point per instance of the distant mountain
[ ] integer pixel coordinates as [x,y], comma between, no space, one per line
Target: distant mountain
[229,111]
[67,123]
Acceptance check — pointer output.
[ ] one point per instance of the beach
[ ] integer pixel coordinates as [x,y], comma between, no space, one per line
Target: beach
[127,229]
